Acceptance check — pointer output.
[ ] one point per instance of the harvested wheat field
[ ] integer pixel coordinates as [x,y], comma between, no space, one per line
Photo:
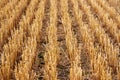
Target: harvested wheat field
[59,39]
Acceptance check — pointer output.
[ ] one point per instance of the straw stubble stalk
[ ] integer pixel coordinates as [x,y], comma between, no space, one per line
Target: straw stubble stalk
[111,26]
[51,54]
[10,50]
[111,10]
[102,37]
[71,43]
[9,25]
[29,52]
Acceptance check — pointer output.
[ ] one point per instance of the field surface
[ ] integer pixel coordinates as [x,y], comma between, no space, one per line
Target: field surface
[59,39]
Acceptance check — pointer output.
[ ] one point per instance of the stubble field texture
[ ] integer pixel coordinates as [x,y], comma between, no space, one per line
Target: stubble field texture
[59,39]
